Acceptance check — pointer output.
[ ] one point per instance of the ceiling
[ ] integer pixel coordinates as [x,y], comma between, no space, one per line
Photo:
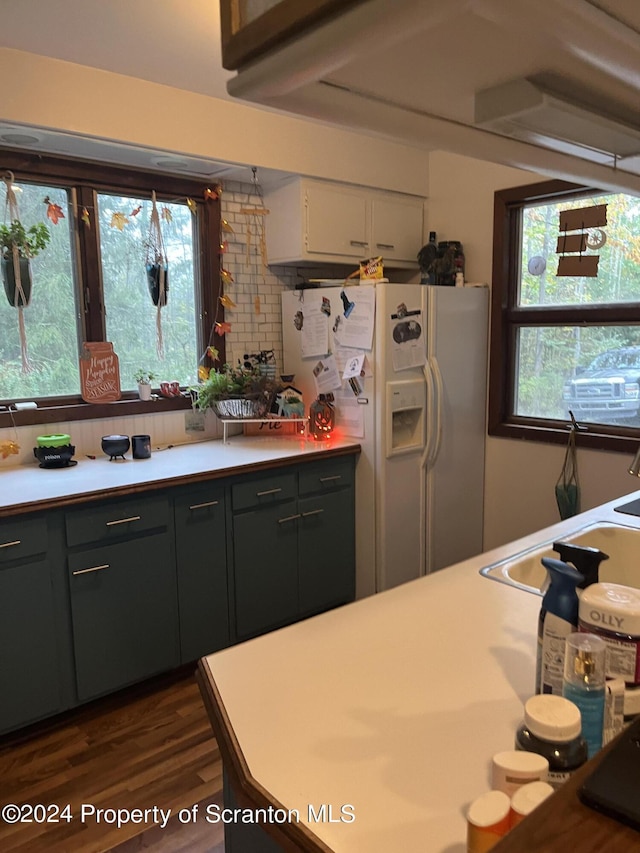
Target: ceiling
[414,68]
[408,70]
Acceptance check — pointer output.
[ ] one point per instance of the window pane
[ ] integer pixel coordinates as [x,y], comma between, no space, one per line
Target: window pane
[594,371]
[131,316]
[50,319]
[618,278]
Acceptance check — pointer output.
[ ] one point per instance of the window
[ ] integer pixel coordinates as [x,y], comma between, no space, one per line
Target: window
[90,284]
[564,344]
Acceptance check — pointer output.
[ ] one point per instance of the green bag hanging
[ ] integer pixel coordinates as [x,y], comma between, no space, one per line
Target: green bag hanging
[567,487]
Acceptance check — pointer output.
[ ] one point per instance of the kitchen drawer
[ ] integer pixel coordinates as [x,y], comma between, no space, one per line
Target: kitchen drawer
[105,522]
[327,475]
[23,537]
[199,501]
[264,491]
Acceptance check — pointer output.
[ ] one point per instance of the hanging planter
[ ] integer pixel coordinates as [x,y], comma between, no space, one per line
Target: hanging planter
[158,283]
[17,296]
[17,245]
[157,271]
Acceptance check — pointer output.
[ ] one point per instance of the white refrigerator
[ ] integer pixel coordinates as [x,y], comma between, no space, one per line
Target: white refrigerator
[416,403]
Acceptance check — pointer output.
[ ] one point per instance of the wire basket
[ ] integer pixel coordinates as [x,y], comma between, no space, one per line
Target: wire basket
[243,408]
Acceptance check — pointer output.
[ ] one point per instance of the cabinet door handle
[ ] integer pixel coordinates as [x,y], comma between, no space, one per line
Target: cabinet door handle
[123,520]
[268,492]
[359,242]
[289,518]
[330,479]
[206,503]
[312,512]
[92,569]
[385,246]
[9,544]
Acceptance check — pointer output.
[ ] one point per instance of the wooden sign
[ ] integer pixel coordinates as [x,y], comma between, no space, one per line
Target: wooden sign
[583,217]
[99,373]
[586,265]
[571,243]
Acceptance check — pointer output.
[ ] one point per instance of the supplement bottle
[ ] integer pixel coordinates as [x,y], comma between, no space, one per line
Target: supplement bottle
[552,728]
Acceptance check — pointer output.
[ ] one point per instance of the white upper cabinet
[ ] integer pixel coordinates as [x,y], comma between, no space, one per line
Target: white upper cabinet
[320,222]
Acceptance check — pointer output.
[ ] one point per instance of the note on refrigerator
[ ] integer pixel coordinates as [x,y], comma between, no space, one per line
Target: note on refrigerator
[325,375]
[313,325]
[353,327]
[349,415]
[407,340]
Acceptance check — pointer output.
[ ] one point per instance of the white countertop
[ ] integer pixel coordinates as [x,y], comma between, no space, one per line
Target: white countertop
[25,485]
[394,704]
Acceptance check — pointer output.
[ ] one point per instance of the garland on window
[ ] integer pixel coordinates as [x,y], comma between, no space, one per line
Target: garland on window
[220,326]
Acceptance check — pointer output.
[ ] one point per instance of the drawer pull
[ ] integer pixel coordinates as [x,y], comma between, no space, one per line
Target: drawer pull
[268,492]
[92,569]
[123,520]
[312,512]
[330,479]
[289,518]
[358,242]
[385,246]
[9,544]
[206,503]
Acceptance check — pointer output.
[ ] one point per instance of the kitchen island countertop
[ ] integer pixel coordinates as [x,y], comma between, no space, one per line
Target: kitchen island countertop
[389,709]
[26,488]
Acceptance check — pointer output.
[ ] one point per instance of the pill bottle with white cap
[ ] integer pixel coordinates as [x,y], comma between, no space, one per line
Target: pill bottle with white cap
[552,727]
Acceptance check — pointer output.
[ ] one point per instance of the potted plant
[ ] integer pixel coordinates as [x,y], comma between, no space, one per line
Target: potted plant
[144,378]
[29,242]
[237,393]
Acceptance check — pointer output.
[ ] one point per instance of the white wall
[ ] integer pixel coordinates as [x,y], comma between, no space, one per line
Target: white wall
[89,102]
[520,475]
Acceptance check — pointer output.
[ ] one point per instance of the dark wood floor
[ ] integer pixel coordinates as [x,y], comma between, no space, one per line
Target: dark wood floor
[148,746]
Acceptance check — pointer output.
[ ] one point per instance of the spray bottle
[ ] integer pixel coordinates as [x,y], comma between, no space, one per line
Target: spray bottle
[558,618]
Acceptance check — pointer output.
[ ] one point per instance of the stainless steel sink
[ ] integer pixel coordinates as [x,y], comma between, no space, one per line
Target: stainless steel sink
[622,544]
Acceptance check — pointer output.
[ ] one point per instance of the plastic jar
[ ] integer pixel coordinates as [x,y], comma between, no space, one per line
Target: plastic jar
[515,768]
[612,611]
[552,728]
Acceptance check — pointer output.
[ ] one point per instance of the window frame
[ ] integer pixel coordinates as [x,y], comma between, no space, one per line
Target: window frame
[507,317]
[86,179]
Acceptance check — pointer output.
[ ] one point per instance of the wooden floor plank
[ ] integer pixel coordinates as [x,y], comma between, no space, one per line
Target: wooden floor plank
[149,746]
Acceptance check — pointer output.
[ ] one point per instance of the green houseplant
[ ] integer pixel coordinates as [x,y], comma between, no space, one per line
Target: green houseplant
[29,243]
[236,393]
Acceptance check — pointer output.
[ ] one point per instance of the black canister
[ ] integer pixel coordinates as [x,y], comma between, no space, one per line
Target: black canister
[141,445]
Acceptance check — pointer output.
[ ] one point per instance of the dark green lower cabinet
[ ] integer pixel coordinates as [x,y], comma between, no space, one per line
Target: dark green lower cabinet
[201,558]
[98,597]
[326,542]
[295,557]
[29,659]
[266,568]
[124,612]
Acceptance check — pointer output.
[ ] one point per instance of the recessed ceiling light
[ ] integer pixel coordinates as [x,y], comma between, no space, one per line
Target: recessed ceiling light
[172,163]
[16,138]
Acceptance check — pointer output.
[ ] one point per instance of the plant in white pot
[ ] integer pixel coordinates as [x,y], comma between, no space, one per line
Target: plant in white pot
[144,378]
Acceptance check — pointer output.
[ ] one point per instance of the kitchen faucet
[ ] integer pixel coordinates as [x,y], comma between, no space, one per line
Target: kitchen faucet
[634,468]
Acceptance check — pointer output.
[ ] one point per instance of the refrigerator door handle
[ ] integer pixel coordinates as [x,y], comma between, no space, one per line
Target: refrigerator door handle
[429,425]
[437,417]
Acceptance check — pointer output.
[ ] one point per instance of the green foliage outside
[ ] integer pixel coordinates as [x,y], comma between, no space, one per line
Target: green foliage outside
[53,320]
[547,355]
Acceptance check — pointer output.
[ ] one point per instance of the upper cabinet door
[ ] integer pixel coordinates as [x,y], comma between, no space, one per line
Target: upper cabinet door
[336,222]
[397,228]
